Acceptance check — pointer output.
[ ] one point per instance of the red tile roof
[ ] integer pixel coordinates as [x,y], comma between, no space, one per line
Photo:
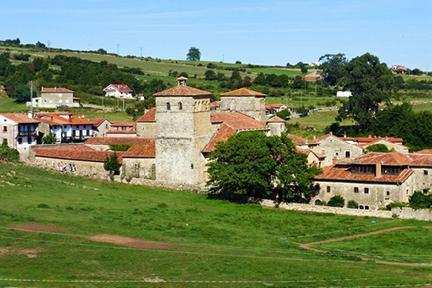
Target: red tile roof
[147,150]
[223,134]
[276,119]
[149,116]
[424,151]
[308,151]
[118,140]
[20,118]
[98,121]
[120,87]
[392,158]
[182,91]
[368,140]
[72,152]
[343,174]
[236,120]
[123,124]
[297,140]
[56,90]
[243,92]
[56,119]
[275,106]
[215,104]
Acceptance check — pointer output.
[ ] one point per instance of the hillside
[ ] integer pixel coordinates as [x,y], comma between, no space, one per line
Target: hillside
[181,239]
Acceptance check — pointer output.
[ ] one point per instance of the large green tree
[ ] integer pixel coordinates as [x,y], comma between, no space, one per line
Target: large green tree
[252,165]
[371,83]
[194,54]
[333,68]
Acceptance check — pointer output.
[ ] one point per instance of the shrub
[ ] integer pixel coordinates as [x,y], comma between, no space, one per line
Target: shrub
[112,165]
[43,205]
[396,205]
[352,204]
[420,200]
[336,201]
[377,148]
[120,147]
[49,139]
[7,153]
[284,114]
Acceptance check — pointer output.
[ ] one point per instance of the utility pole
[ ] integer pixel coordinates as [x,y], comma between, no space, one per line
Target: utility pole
[118,49]
[141,48]
[31,98]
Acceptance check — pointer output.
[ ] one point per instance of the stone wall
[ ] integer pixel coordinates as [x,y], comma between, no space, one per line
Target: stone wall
[249,105]
[401,213]
[146,129]
[335,148]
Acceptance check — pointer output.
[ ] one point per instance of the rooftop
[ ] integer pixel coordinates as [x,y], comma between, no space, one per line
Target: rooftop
[147,150]
[55,90]
[20,118]
[243,92]
[118,140]
[181,90]
[236,120]
[72,152]
[149,116]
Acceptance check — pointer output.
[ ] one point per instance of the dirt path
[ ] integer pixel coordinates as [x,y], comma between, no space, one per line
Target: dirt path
[129,242]
[309,247]
[36,227]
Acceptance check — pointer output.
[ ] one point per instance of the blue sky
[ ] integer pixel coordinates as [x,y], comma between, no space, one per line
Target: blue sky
[252,31]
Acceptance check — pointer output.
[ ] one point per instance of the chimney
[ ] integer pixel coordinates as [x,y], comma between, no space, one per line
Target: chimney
[378,173]
[30,114]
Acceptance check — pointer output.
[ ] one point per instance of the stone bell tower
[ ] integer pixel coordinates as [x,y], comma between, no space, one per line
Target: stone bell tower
[183,128]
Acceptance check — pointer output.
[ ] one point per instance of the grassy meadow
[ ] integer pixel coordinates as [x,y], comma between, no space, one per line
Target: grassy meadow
[212,243]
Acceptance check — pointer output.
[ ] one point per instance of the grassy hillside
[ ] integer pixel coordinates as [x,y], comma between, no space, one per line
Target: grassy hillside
[205,243]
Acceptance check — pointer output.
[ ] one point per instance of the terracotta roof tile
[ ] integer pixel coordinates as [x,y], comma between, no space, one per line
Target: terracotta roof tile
[123,124]
[297,140]
[20,118]
[243,92]
[222,134]
[343,174]
[182,91]
[147,150]
[367,140]
[55,90]
[236,120]
[276,119]
[118,140]
[149,116]
[215,104]
[72,152]
[120,87]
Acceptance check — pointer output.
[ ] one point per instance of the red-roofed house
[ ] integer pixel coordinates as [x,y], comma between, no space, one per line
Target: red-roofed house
[118,90]
[374,180]
[54,98]
[18,130]
[146,124]
[122,129]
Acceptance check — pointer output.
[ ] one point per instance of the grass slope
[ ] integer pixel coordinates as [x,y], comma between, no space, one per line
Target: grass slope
[212,240]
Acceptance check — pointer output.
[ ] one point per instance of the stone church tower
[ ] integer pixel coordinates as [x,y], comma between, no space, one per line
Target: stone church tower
[183,128]
[246,101]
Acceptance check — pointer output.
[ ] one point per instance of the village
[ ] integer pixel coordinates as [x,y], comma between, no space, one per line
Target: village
[185,127]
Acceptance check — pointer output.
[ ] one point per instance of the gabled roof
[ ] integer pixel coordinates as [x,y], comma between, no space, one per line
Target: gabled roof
[222,135]
[276,119]
[343,174]
[392,158]
[118,140]
[99,121]
[120,87]
[55,119]
[236,120]
[149,116]
[370,139]
[55,90]
[181,90]
[243,92]
[123,124]
[20,118]
[147,150]
[297,140]
[72,152]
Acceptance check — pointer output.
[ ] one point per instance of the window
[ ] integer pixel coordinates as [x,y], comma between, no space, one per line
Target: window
[180,106]
[19,140]
[361,207]
[4,128]
[388,193]
[366,207]
[356,190]
[366,190]
[168,106]
[192,166]
[88,132]
[318,202]
[328,189]
[425,172]
[347,154]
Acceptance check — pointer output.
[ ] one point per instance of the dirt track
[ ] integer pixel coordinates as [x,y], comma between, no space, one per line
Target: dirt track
[129,242]
[35,227]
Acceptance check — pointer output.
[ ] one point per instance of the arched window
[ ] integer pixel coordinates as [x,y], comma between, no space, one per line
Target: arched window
[180,106]
[168,106]
[318,202]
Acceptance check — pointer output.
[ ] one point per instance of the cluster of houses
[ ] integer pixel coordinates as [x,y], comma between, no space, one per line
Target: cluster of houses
[170,144]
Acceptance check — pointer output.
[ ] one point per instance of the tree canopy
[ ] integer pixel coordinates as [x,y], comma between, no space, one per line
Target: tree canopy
[333,68]
[193,54]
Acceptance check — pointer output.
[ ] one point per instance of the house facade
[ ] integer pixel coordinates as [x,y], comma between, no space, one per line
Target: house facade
[54,98]
[118,90]
[18,130]
[122,129]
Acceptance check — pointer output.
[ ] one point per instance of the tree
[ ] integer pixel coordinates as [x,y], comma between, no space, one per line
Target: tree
[336,201]
[21,93]
[303,69]
[49,139]
[101,51]
[252,165]
[377,148]
[371,83]
[284,114]
[260,79]
[420,200]
[210,75]
[333,68]
[7,153]
[194,54]
[112,165]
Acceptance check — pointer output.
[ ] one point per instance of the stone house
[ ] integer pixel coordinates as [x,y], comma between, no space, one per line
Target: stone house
[65,127]
[374,180]
[246,101]
[19,130]
[54,98]
[146,124]
[101,127]
[122,129]
[118,90]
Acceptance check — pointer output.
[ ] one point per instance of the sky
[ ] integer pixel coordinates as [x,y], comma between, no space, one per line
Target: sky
[272,32]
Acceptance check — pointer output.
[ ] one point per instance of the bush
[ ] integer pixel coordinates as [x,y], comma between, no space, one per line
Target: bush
[7,153]
[396,205]
[352,204]
[49,139]
[112,165]
[284,114]
[120,147]
[377,148]
[336,201]
[420,200]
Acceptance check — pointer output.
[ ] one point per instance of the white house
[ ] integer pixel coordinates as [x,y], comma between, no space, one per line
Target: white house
[118,91]
[345,94]
[55,97]
[18,130]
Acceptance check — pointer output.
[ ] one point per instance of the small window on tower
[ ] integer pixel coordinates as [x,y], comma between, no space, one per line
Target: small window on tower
[168,106]
[192,166]
[180,106]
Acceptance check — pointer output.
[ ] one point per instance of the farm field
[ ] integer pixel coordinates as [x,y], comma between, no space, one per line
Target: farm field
[9,105]
[54,232]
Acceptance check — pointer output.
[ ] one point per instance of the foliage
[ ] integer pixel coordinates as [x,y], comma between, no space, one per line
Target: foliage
[21,93]
[284,114]
[120,147]
[336,201]
[252,165]
[49,139]
[377,148]
[371,83]
[193,54]
[7,153]
[210,75]
[333,68]
[352,204]
[420,200]
[396,205]
[112,165]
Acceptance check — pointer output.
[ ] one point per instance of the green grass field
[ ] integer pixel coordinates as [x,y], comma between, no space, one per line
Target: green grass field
[212,243]
[9,105]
